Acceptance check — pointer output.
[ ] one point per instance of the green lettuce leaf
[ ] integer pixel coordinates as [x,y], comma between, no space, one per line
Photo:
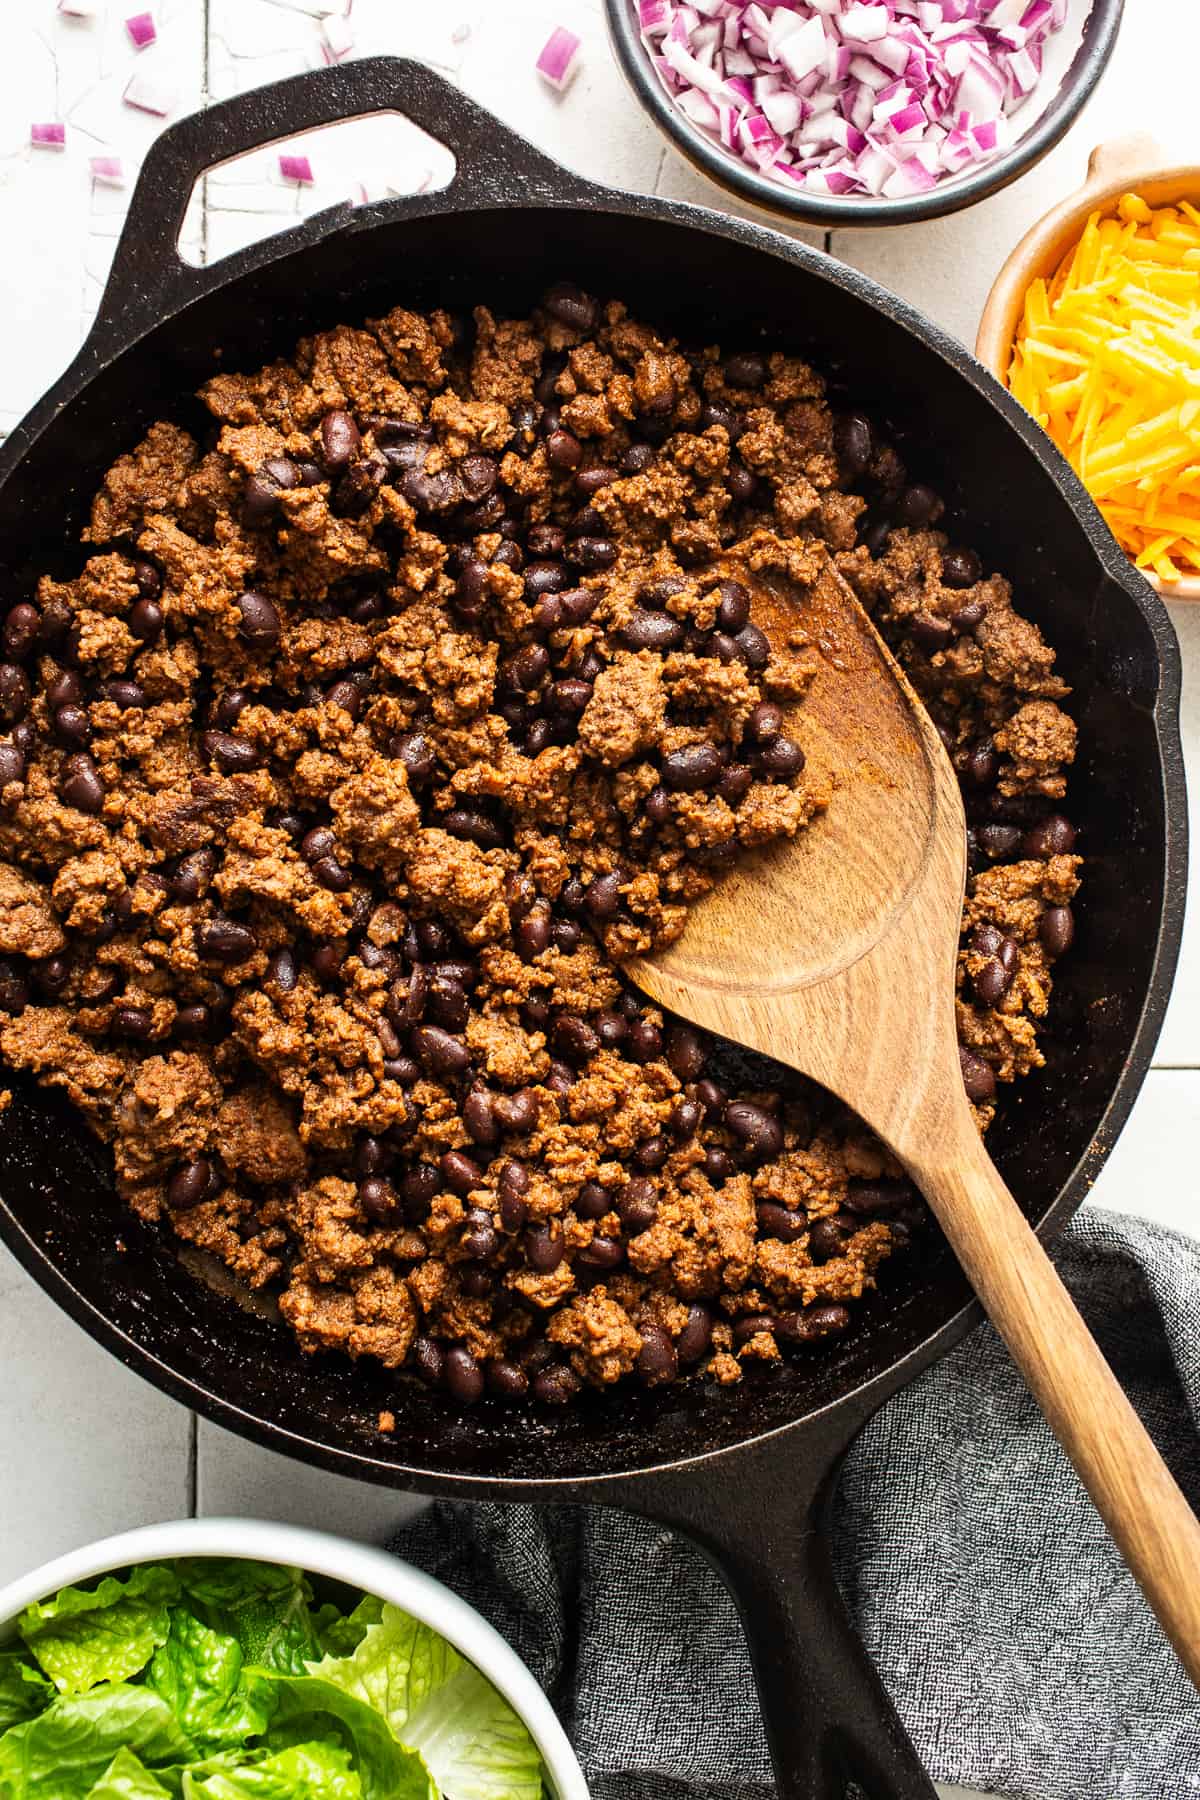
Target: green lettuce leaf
[266,1608]
[106,1633]
[339,1634]
[436,1702]
[200,1675]
[310,1710]
[127,1778]
[317,1771]
[24,1690]
[66,1749]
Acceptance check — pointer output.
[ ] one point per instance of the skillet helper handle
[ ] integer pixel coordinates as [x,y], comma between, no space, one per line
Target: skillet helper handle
[494,166]
[1134,1492]
[764,1524]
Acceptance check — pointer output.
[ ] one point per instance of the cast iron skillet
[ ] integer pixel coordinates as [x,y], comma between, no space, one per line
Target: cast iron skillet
[748,1474]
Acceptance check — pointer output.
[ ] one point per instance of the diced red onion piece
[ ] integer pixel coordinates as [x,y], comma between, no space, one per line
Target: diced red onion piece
[141,30]
[108,170]
[864,24]
[560,58]
[295,168]
[50,136]
[147,93]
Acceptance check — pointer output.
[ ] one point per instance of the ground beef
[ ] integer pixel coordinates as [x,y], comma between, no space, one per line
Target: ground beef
[373,734]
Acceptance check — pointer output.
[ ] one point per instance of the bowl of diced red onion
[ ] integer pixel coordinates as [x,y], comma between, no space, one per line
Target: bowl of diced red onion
[863,112]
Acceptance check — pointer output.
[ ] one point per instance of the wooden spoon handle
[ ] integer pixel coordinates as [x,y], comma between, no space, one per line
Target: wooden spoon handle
[1134,1492]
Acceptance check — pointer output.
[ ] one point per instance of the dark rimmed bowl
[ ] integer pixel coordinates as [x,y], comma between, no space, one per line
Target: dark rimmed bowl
[831,211]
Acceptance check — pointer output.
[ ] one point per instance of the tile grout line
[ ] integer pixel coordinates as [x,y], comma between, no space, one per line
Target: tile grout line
[193,1466]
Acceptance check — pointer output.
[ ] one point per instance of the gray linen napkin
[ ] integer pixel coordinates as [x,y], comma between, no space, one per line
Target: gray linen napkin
[1020,1654]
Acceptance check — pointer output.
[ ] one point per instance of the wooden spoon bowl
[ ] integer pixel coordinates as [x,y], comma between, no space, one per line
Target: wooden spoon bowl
[835,953]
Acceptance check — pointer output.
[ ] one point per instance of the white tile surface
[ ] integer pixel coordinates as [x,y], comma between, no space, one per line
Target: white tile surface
[85,1446]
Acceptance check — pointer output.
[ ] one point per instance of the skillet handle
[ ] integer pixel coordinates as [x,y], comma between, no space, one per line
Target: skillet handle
[494,167]
[763,1522]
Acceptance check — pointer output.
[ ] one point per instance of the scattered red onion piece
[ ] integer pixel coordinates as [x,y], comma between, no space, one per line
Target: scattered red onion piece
[559,58]
[337,39]
[877,97]
[295,168]
[462,32]
[141,30]
[51,136]
[107,170]
[148,93]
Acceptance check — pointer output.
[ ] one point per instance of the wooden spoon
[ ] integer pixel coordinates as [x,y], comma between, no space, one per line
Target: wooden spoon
[835,953]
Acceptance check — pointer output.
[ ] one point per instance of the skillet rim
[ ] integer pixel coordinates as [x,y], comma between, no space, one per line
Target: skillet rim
[531,182]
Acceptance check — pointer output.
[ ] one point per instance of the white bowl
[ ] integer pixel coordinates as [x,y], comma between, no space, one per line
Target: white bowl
[359,1566]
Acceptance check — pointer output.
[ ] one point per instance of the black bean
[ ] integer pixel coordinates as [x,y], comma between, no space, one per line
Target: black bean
[225,940]
[759,1131]
[826,1239]
[567,935]
[532,934]
[347,695]
[147,577]
[593,553]
[652,1152]
[340,440]
[15,693]
[978,1077]
[545,578]
[593,480]
[780,1222]
[125,694]
[51,975]
[657,1359]
[733,609]
[812,1322]
[961,568]
[603,898]
[853,443]
[695,766]
[574,1039]
[637,1204]
[507,1380]
[644,1042]
[232,755]
[73,727]
[65,690]
[991,983]
[438,1051]
[378,1199]
[480,1241]
[998,840]
[414,750]
[571,306]
[418,1190]
[544,1247]
[132,1022]
[782,757]
[563,450]
[461,1173]
[479,1117]
[81,786]
[332,874]
[1053,836]
[752,1326]
[652,631]
[969,616]
[430,493]
[429,1360]
[593,1201]
[463,1375]
[753,647]
[192,1021]
[712,1098]
[930,632]
[764,723]
[735,783]
[873,1197]
[694,1340]
[191,1183]
[556,1385]
[637,459]
[746,369]
[194,873]
[982,764]
[1057,930]
[14,989]
[918,505]
[318,842]
[1008,955]
[602,1255]
[146,620]
[260,627]
[21,630]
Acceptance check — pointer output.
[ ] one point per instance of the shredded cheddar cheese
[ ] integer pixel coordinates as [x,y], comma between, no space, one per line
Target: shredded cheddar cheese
[1107,359]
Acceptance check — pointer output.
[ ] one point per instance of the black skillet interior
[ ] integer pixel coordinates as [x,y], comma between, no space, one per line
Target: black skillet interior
[509,225]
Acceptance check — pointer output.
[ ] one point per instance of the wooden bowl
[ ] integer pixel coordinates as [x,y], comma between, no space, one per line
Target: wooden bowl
[1113,169]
